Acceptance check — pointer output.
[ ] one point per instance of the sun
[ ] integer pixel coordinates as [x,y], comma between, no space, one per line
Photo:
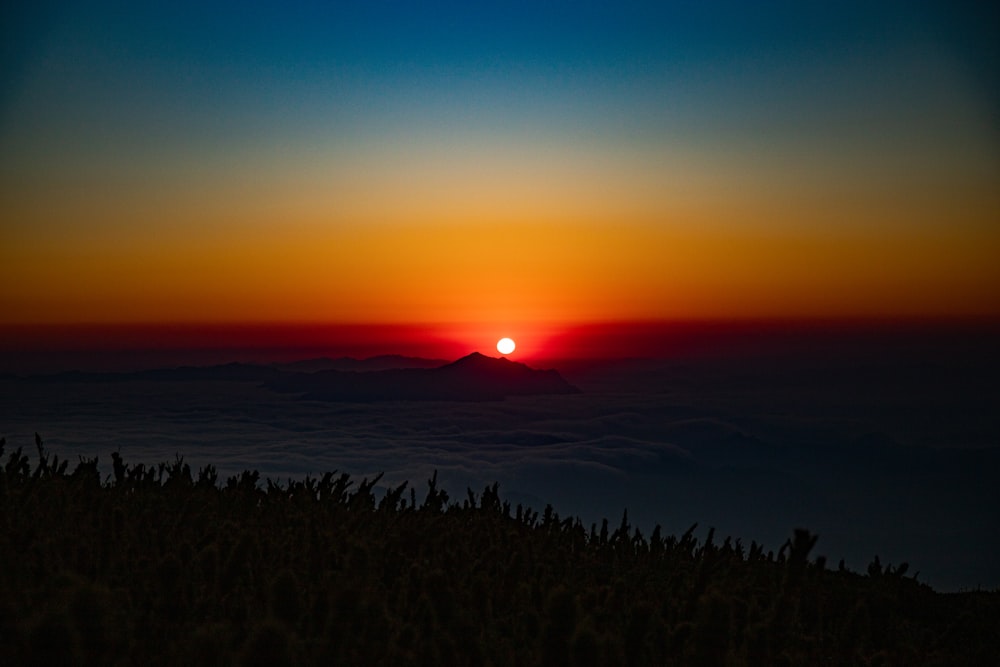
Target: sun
[505,346]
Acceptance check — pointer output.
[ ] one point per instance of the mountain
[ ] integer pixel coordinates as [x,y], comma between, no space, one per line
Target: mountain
[379,363]
[233,372]
[242,372]
[475,377]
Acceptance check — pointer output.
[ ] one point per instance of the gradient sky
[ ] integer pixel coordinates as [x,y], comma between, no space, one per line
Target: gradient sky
[515,164]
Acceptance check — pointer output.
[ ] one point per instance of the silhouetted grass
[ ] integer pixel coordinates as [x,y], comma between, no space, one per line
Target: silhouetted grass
[156,565]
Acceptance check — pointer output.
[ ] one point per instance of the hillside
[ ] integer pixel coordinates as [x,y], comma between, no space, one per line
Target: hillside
[156,565]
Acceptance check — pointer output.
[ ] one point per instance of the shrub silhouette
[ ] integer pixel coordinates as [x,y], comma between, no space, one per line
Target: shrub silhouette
[160,565]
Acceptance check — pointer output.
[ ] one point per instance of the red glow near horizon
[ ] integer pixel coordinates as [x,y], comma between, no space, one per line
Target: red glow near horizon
[133,346]
[49,348]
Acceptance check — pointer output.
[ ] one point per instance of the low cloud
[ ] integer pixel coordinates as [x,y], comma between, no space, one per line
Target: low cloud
[752,467]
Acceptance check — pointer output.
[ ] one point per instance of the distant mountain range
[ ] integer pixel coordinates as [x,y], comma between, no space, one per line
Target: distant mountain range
[380,363]
[475,377]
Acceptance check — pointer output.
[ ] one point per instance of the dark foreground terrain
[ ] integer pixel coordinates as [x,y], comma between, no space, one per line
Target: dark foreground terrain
[156,565]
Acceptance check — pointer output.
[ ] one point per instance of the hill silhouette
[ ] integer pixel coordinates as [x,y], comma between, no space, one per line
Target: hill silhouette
[381,362]
[475,377]
[231,372]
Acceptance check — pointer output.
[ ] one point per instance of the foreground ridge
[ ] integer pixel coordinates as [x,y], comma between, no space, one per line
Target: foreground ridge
[157,565]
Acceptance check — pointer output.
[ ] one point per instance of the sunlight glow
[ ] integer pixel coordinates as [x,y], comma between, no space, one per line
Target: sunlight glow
[505,346]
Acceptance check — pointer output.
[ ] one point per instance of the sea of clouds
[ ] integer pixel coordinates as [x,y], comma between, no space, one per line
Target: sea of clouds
[878,458]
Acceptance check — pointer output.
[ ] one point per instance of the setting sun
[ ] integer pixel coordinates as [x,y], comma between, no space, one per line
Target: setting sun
[505,346]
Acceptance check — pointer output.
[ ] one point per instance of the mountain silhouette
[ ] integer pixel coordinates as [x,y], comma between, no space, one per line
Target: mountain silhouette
[232,372]
[475,377]
[378,363]
[243,372]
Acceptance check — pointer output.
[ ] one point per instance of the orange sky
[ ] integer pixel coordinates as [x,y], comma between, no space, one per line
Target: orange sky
[508,272]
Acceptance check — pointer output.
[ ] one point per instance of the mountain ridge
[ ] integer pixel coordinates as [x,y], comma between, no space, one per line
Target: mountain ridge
[377,363]
[474,377]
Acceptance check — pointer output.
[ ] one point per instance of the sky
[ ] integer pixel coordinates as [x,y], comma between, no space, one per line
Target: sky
[498,166]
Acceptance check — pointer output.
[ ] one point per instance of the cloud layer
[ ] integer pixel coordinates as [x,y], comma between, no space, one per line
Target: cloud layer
[903,471]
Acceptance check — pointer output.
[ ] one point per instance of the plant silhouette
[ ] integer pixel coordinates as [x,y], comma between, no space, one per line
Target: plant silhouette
[158,565]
